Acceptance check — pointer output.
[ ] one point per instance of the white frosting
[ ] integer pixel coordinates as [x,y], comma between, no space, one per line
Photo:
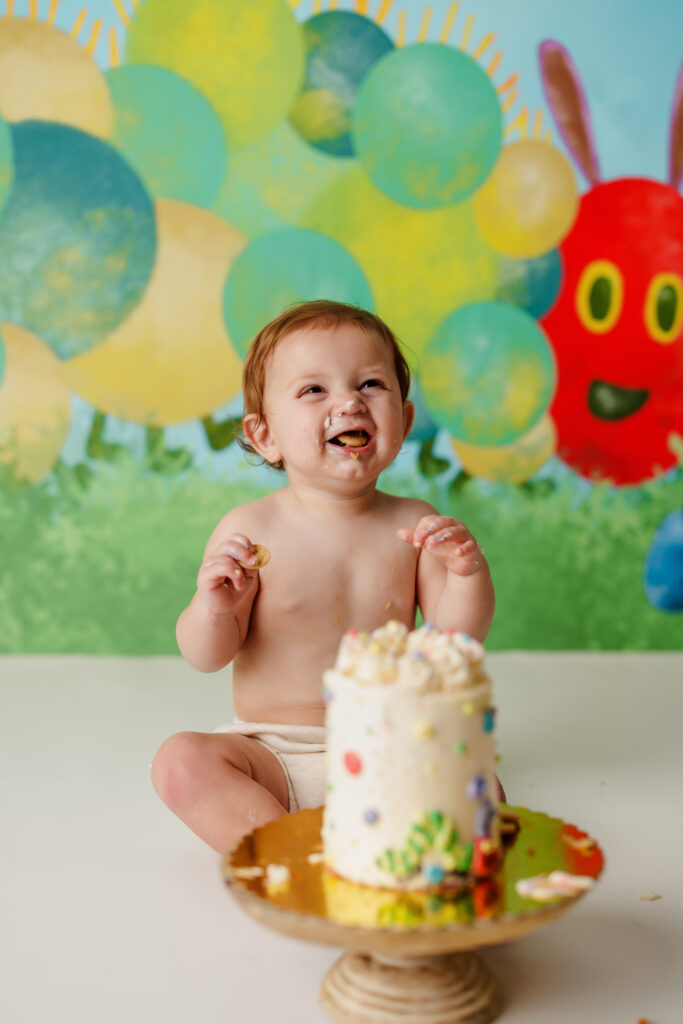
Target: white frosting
[409,732]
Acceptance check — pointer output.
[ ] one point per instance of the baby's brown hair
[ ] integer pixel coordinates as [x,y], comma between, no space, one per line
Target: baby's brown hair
[316,313]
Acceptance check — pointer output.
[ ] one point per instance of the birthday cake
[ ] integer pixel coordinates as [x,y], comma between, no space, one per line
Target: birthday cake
[412,793]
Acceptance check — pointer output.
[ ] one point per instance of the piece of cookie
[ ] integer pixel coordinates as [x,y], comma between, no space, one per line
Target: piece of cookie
[262,558]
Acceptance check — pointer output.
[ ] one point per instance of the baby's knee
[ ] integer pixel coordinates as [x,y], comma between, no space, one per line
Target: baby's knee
[175,768]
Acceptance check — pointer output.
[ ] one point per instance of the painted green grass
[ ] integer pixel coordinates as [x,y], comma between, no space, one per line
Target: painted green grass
[105,566]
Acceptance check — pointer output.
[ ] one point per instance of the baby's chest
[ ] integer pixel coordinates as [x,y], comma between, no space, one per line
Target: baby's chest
[357,581]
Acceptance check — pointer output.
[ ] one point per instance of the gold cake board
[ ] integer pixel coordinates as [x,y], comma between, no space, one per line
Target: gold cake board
[409,954]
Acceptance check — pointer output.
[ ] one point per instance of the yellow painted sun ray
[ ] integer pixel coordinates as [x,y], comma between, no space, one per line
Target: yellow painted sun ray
[361,6]
[424,27]
[493,66]
[448,23]
[401,29]
[33,9]
[52,13]
[467,32]
[538,124]
[292,3]
[509,101]
[317,6]
[94,36]
[9,8]
[114,58]
[508,83]
[78,23]
[383,11]
[333,5]
[519,124]
[483,46]
[121,11]
[548,137]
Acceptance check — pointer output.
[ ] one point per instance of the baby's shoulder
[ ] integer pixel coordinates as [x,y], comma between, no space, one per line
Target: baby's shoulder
[250,519]
[409,510]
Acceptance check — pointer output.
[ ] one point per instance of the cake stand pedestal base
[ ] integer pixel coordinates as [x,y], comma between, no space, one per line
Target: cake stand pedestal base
[367,988]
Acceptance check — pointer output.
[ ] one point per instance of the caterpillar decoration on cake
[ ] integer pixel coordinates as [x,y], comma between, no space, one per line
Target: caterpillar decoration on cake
[432,846]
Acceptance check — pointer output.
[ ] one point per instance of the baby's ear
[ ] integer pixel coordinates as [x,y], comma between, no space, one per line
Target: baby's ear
[408,417]
[256,432]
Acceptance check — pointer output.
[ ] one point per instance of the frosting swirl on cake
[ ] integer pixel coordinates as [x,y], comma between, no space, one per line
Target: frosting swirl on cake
[424,660]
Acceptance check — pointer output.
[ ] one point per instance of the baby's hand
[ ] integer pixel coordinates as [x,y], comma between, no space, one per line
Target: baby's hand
[449,540]
[224,580]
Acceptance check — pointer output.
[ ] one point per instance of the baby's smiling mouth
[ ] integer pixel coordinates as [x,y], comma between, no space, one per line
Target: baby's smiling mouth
[350,439]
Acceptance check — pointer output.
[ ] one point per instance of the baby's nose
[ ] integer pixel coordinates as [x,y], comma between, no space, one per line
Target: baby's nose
[348,405]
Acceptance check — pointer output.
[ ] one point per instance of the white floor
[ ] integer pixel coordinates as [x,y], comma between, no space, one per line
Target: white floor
[111,911]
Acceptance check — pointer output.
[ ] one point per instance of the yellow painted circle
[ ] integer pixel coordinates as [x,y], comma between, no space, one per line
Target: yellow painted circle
[172,359]
[529,201]
[35,410]
[245,56]
[600,296]
[664,307]
[45,75]
[420,264]
[510,463]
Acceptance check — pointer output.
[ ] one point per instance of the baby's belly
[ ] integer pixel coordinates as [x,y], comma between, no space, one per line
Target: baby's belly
[284,688]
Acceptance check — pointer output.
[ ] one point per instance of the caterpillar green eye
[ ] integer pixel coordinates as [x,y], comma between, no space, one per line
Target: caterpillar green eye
[664,308]
[600,296]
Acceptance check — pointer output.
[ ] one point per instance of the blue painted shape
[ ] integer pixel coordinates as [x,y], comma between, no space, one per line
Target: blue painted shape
[341,47]
[663,570]
[77,237]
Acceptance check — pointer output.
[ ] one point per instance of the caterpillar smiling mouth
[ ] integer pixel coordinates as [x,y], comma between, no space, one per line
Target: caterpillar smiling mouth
[609,402]
[351,439]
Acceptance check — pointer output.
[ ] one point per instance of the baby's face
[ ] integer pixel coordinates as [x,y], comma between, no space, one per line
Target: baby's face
[333,404]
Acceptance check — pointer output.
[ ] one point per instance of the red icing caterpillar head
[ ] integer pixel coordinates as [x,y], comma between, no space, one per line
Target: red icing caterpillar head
[617,325]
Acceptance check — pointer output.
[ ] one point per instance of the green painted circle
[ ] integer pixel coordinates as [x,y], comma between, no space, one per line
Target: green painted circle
[427,125]
[169,132]
[488,373]
[282,268]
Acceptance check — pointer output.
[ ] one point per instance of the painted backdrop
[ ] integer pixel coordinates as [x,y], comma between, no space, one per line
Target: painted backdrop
[501,183]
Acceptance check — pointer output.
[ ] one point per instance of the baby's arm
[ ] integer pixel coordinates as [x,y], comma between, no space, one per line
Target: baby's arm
[454,586]
[212,628]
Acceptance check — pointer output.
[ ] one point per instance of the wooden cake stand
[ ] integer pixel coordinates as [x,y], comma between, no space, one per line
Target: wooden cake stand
[409,955]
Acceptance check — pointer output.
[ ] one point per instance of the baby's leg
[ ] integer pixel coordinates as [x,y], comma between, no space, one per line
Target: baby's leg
[222,785]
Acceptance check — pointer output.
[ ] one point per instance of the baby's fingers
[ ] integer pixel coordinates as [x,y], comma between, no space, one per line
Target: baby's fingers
[239,548]
[406,535]
[219,571]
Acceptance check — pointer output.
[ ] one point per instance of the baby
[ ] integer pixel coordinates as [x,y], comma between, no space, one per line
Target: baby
[325,391]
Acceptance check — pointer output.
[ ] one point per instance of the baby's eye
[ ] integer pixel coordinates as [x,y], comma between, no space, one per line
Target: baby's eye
[372,383]
[313,389]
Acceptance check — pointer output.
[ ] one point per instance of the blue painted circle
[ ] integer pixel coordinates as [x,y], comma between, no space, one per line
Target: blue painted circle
[341,47]
[663,570]
[77,237]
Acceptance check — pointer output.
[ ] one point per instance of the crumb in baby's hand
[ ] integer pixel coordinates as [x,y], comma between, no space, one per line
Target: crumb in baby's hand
[262,557]
[649,897]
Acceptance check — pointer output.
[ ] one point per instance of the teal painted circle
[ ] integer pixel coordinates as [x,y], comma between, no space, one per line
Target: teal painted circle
[6,162]
[169,132]
[424,428]
[533,285]
[341,47]
[282,268]
[488,373]
[427,125]
[77,238]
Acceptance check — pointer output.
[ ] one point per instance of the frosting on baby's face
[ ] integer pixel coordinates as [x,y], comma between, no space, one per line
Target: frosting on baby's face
[425,659]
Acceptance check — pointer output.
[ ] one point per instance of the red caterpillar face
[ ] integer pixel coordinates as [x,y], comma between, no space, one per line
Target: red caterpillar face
[617,332]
